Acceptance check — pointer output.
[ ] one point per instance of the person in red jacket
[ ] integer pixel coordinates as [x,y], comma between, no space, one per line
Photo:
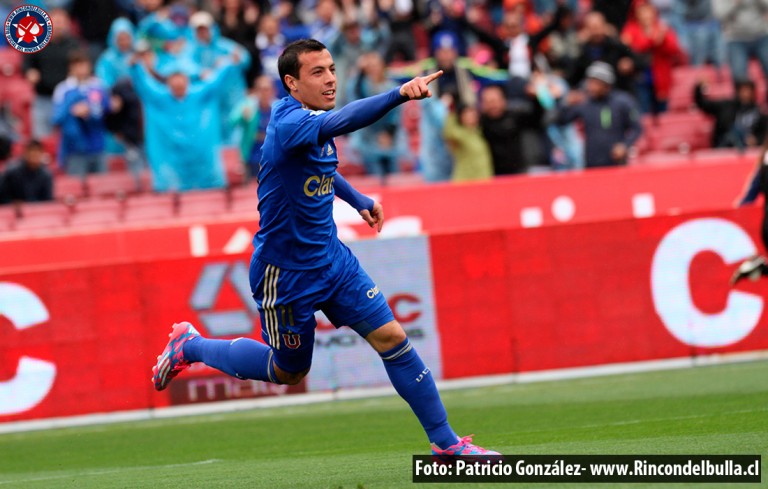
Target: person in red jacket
[652,39]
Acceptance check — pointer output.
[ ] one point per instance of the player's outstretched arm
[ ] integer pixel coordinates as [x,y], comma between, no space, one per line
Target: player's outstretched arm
[364,112]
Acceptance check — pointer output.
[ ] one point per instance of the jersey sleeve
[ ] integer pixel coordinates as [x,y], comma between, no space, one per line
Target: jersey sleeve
[301,129]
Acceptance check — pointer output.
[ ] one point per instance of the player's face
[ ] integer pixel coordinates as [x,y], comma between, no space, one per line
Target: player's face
[315,87]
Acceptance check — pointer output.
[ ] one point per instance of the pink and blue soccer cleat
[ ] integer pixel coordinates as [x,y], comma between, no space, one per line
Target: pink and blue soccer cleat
[464,447]
[172,362]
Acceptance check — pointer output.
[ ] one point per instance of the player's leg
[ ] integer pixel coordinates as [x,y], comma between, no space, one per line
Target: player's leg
[246,358]
[357,302]
[753,268]
[287,328]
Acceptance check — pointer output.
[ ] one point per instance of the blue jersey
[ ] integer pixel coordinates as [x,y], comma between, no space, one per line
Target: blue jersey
[298,180]
[296,189]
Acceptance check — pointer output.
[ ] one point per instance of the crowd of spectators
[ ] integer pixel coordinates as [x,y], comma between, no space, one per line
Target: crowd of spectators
[526,84]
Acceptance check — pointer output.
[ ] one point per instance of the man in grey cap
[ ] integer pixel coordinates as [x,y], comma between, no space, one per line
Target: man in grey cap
[610,117]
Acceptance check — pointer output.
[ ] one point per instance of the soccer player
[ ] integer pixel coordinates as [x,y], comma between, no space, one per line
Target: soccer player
[300,266]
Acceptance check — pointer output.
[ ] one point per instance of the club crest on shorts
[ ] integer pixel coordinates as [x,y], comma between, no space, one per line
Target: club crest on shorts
[292,340]
[28,29]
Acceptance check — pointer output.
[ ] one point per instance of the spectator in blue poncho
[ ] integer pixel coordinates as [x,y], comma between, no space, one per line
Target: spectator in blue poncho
[182,126]
[207,50]
[164,32]
[113,62]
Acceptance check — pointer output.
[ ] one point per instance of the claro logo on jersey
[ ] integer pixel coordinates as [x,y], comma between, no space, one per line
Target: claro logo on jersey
[318,186]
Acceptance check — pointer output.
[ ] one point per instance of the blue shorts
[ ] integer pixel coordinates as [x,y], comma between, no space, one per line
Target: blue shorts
[287,301]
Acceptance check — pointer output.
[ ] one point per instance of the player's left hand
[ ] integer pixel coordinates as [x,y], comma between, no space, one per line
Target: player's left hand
[374,218]
[418,88]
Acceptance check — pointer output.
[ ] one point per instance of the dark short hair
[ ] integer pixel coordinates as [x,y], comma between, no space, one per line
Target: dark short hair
[34,144]
[288,62]
[746,84]
[78,57]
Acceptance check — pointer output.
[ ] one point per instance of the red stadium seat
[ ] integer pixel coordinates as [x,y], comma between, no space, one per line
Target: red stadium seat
[664,158]
[43,209]
[685,78]
[118,185]
[67,188]
[150,207]
[103,217]
[92,205]
[234,169]
[38,223]
[244,199]
[7,217]
[203,203]
[38,216]
[717,155]
[244,191]
[680,132]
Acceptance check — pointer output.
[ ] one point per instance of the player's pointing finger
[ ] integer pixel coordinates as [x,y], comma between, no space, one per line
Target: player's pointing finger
[434,76]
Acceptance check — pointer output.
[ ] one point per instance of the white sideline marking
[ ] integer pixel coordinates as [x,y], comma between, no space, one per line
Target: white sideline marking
[369,392]
[115,470]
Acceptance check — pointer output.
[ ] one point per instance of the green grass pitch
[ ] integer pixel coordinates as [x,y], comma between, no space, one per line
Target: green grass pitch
[368,443]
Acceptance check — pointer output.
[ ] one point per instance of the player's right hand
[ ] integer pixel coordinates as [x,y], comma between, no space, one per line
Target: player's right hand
[418,88]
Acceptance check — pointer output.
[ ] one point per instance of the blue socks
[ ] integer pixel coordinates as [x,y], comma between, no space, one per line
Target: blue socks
[242,357]
[248,359]
[414,382]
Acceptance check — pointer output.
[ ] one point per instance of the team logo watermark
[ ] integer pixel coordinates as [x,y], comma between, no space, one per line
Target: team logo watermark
[28,29]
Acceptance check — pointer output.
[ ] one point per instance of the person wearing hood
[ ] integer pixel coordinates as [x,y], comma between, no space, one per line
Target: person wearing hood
[181,125]
[164,32]
[207,49]
[124,122]
[610,117]
[113,62]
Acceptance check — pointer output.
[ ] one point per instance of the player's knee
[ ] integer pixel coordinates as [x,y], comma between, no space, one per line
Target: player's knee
[386,337]
[290,378]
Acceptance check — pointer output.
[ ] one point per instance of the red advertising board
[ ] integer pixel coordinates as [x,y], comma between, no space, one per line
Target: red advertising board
[512,202]
[592,294]
[82,339]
